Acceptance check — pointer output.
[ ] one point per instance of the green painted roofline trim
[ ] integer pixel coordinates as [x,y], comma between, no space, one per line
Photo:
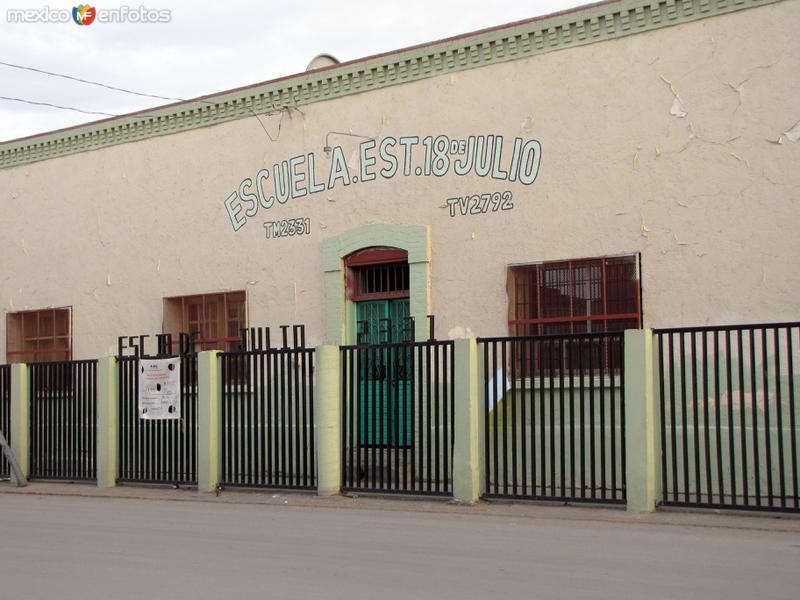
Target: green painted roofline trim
[592,23]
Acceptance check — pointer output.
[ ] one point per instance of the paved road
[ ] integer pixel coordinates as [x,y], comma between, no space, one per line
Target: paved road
[86,548]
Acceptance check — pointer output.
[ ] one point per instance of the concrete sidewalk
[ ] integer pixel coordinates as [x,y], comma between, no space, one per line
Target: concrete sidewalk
[772,522]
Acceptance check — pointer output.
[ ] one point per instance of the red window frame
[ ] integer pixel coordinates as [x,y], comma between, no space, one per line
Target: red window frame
[39,346]
[378,273]
[575,296]
[214,313]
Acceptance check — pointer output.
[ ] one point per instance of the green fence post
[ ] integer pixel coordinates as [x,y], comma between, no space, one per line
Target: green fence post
[107,422]
[327,412]
[20,417]
[209,421]
[642,446]
[467,463]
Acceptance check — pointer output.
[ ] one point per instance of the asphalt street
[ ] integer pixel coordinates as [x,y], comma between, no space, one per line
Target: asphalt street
[84,548]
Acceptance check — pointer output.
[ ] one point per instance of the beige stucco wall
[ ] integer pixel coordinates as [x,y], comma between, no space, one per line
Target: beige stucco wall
[710,200]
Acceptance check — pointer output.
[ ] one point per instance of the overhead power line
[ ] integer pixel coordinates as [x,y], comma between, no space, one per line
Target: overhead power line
[80,110]
[88,82]
[123,90]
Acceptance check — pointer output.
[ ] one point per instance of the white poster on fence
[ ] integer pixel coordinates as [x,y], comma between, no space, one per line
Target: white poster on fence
[160,388]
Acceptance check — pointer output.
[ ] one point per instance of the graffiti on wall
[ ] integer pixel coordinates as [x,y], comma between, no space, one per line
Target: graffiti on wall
[485,156]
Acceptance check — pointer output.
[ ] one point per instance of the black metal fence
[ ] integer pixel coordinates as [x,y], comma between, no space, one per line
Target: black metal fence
[729,422]
[554,417]
[157,451]
[398,402]
[268,418]
[5,415]
[63,415]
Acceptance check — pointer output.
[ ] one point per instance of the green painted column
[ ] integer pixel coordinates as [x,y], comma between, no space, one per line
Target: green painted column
[327,413]
[209,421]
[107,422]
[642,449]
[20,417]
[467,459]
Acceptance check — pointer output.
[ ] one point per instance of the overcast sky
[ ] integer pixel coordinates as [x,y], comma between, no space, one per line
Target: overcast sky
[211,47]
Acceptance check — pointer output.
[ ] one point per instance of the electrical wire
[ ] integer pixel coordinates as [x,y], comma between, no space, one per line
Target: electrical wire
[80,110]
[87,81]
[126,91]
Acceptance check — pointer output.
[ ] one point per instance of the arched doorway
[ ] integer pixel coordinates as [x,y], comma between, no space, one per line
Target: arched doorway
[340,311]
[378,284]
[377,281]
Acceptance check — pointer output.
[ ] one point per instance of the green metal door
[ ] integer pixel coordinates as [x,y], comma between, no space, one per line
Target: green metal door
[385,373]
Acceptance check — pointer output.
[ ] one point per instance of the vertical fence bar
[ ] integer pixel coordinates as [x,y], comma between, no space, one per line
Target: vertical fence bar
[581,342]
[754,407]
[264,423]
[561,420]
[436,430]
[731,441]
[767,433]
[519,372]
[486,422]
[792,418]
[717,410]
[592,422]
[779,414]
[5,415]
[706,424]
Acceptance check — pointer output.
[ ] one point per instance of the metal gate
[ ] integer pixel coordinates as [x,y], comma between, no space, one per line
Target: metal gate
[268,415]
[397,418]
[5,415]
[63,417]
[554,417]
[729,420]
[158,451]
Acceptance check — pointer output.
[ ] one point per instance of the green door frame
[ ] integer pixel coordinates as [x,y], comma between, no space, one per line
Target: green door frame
[340,313]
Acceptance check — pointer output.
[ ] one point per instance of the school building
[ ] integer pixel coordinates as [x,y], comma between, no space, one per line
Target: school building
[626,165]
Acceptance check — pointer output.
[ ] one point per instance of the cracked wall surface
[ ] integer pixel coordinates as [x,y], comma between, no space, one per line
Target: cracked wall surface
[708,190]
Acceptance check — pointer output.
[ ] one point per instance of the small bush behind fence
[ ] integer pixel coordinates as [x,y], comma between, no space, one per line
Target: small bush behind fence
[63,415]
[268,413]
[5,415]
[554,417]
[729,420]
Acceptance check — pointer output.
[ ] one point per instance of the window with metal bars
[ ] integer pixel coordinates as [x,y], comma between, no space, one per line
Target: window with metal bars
[584,296]
[39,335]
[378,273]
[381,282]
[575,296]
[216,318]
